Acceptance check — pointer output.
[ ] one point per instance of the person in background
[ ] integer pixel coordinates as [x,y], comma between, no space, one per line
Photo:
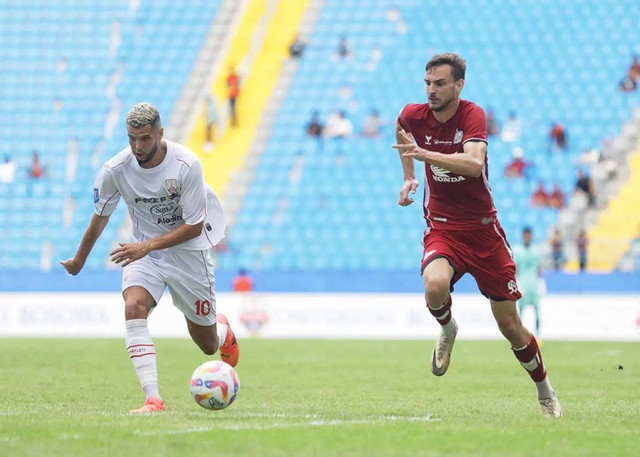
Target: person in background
[372,124]
[540,197]
[518,166]
[314,127]
[296,48]
[7,170]
[493,127]
[36,171]
[243,282]
[557,256]
[581,244]
[529,274]
[233,91]
[556,199]
[584,185]
[558,137]
[511,128]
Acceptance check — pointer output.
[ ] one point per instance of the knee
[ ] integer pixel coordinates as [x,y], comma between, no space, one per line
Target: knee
[136,308]
[436,288]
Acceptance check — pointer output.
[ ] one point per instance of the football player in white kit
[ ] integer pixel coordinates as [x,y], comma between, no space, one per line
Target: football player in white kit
[176,220]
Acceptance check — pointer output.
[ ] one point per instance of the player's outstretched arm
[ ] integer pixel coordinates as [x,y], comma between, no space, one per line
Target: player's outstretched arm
[470,163]
[410,184]
[94,230]
[126,253]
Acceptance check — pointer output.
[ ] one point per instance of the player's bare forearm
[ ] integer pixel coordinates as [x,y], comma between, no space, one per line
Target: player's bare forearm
[469,163]
[462,164]
[91,235]
[175,237]
[408,169]
[126,253]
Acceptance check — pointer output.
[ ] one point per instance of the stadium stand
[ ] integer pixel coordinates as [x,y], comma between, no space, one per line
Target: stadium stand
[71,70]
[331,204]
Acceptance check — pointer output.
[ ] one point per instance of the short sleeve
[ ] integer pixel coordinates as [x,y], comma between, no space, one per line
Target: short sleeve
[475,125]
[402,119]
[106,194]
[193,199]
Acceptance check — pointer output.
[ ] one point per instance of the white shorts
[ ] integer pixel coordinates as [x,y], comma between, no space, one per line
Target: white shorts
[189,276]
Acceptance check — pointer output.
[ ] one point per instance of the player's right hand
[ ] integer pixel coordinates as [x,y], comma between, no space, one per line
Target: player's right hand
[72,266]
[409,186]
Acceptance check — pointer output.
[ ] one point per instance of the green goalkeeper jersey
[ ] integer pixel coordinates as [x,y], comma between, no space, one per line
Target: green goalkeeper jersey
[527,261]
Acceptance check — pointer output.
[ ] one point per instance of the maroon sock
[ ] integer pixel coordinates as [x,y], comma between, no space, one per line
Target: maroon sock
[531,359]
[442,314]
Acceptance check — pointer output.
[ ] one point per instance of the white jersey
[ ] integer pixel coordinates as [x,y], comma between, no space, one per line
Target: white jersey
[161,198]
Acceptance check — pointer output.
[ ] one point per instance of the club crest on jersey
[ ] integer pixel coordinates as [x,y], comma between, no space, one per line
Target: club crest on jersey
[458,136]
[172,187]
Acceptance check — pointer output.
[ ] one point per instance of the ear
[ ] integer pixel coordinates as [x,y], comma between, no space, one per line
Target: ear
[459,86]
[160,133]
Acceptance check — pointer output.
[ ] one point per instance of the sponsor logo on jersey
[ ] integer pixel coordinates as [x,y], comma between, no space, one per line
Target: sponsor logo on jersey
[172,188]
[513,287]
[458,136]
[428,254]
[442,175]
[96,195]
[436,141]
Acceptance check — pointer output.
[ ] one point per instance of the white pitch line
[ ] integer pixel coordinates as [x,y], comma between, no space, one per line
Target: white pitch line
[274,425]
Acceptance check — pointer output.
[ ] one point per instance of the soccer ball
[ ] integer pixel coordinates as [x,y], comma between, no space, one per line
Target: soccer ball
[214,385]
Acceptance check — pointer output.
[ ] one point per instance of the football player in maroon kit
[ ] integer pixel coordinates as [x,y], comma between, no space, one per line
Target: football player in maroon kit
[463,234]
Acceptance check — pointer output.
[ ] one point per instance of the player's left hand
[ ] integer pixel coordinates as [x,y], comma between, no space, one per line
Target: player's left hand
[412,151]
[129,252]
[409,148]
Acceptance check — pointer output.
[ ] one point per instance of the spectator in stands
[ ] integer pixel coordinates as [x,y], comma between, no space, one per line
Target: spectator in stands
[518,166]
[36,171]
[584,185]
[628,85]
[7,170]
[212,119]
[511,129]
[314,128]
[372,125]
[581,245]
[556,250]
[556,199]
[338,126]
[296,48]
[540,197]
[233,91]
[243,282]
[344,47]
[557,137]
[634,69]
[492,123]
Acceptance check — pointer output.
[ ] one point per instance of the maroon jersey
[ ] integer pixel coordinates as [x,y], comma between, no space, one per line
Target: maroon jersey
[451,201]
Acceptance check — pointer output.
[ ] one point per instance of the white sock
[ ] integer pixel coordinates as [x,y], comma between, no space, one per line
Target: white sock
[142,353]
[221,329]
[544,389]
[450,327]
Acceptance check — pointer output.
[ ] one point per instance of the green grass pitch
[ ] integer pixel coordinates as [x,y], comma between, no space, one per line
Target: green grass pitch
[320,398]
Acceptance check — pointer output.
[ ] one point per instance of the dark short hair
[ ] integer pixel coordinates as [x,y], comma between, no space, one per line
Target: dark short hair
[458,64]
[527,230]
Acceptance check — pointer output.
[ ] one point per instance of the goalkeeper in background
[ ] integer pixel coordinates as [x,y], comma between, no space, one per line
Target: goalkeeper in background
[529,274]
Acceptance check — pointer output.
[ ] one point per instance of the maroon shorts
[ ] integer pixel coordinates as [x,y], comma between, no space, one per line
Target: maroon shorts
[484,253]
